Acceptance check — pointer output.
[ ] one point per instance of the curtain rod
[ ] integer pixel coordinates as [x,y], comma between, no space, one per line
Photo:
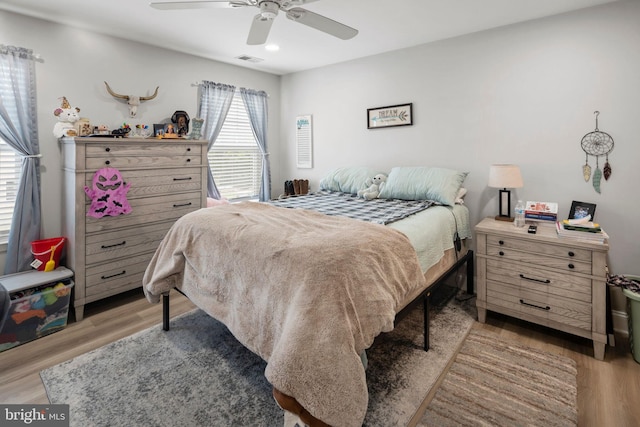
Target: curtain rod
[21,51]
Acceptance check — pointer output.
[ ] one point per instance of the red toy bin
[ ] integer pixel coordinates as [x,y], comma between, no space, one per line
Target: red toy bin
[41,250]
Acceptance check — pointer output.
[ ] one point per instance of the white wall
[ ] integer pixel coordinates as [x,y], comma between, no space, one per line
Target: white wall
[522,94]
[76,63]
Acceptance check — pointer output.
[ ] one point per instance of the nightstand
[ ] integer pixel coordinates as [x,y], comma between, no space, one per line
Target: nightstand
[542,278]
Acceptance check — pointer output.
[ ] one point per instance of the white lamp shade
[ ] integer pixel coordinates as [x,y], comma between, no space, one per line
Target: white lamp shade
[505,176]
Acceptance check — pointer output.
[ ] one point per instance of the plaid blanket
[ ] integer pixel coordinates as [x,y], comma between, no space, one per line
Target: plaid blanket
[379,211]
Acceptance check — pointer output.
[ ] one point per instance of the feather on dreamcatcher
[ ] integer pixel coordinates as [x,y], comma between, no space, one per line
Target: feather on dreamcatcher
[597,144]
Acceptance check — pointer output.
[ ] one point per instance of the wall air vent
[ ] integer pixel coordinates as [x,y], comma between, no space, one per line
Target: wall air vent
[249,58]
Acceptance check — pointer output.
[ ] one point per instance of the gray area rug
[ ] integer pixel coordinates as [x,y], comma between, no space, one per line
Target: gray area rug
[496,383]
[197,374]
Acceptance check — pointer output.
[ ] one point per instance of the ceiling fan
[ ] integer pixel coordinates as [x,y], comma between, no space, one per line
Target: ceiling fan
[269,9]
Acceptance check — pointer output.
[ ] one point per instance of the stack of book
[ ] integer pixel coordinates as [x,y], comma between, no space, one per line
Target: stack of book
[541,211]
[581,231]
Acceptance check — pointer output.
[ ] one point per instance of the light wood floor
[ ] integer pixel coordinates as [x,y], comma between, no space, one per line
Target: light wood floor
[608,391]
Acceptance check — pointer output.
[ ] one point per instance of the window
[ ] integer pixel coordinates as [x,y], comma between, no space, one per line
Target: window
[10,168]
[235,158]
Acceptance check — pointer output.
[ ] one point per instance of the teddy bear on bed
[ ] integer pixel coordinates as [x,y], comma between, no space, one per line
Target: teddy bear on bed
[374,187]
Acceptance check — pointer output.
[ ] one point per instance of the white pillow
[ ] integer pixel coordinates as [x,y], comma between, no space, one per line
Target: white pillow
[347,179]
[423,183]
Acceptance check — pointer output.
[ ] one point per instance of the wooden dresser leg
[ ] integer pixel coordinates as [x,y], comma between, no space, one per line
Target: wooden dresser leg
[482,315]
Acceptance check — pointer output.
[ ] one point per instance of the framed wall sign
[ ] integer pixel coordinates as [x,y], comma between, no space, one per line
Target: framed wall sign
[393,115]
[304,141]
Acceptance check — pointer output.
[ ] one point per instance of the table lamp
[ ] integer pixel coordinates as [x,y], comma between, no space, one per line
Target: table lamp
[503,177]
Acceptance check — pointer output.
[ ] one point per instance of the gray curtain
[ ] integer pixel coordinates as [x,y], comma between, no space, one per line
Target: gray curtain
[215,100]
[256,104]
[19,129]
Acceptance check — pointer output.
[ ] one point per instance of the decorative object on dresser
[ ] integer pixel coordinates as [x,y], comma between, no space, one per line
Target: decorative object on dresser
[541,278]
[110,254]
[582,210]
[505,176]
[597,144]
[541,211]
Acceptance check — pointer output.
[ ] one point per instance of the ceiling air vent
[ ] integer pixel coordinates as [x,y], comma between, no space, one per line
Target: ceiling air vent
[249,58]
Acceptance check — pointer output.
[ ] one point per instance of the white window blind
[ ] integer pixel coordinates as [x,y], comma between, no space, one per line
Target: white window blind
[235,158]
[10,166]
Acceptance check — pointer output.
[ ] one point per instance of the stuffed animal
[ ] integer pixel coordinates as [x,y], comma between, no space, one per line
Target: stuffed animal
[374,187]
[67,117]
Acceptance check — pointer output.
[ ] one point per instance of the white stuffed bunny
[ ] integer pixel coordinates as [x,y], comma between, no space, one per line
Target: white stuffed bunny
[374,187]
[67,117]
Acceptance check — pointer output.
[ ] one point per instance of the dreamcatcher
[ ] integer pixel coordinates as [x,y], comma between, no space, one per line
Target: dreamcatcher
[597,144]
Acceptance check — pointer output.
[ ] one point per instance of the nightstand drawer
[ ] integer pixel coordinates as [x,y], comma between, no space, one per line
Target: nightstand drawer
[540,248]
[542,260]
[540,279]
[540,304]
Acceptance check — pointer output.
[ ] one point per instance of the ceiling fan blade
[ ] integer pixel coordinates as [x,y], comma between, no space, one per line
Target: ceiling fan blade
[321,23]
[259,31]
[203,4]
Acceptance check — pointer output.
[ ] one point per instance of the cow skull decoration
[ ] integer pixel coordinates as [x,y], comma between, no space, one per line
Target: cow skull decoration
[132,101]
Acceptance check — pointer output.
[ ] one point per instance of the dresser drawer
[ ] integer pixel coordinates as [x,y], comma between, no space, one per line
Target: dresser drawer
[540,304]
[149,182]
[146,210]
[564,264]
[540,279]
[104,279]
[152,149]
[540,248]
[106,247]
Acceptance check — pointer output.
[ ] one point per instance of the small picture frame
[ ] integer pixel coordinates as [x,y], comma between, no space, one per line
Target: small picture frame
[393,115]
[158,129]
[581,210]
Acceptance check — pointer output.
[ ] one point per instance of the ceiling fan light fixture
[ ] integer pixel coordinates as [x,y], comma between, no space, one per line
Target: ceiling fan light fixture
[269,9]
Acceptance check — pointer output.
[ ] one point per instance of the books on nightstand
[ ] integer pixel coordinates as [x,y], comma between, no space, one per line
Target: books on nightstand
[588,231]
[541,211]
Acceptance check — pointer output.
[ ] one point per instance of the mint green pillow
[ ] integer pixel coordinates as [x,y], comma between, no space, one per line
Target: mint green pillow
[347,179]
[423,183]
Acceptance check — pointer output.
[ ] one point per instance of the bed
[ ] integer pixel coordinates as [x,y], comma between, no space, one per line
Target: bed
[308,290]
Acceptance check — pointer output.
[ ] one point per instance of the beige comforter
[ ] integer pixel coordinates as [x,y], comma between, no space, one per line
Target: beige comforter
[305,291]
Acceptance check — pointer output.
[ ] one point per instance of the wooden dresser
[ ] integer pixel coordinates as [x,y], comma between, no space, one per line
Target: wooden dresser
[167,179]
[544,279]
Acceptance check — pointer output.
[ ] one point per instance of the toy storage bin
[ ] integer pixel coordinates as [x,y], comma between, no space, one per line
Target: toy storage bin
[39,305]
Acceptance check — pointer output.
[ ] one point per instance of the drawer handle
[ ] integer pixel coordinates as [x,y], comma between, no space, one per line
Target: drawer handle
[547,308]
[114,275]
[188,149]
[124,242]
[107,149]
[571,254]
[522,276]
[501,242]
[183,179]
[501,253]
[188,160]
[107,162]
[571,266]
[182,205]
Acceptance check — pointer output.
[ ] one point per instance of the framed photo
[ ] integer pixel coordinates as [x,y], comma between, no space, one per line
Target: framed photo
[393,115]
[581,210]
[158,129]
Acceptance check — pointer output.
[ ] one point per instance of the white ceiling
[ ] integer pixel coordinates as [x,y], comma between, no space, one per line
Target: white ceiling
[220,34]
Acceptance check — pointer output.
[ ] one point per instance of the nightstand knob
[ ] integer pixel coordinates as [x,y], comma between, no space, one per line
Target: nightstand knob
[571,266]
[501,242]
[571,254]
[501,253]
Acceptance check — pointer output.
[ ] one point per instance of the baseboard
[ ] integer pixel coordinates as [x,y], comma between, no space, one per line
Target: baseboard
[620,322]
